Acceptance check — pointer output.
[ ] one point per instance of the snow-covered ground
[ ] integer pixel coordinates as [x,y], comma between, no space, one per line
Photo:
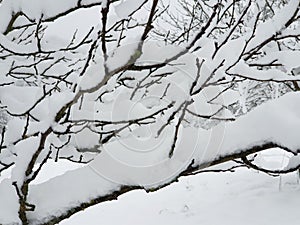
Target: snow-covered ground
[245,197]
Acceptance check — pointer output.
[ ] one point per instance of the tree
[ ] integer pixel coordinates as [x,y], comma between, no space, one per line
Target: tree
[137,104]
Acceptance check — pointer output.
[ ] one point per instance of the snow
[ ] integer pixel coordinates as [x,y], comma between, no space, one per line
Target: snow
[122,55]
[108,171]
[85,139]
[9,210]
[35,8]
[93,75]
[293,162]
[19,99]
[14,130]
[91,19]
[271,27]
[144,160]
[288,59]
[127,160]
[78,181]
[25,150]
[254,129]
[242,69]
[244,197]
[139,155]
[151,48]
[125,8]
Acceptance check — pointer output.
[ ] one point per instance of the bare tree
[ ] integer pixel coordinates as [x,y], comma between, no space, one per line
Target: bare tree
[137,102]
